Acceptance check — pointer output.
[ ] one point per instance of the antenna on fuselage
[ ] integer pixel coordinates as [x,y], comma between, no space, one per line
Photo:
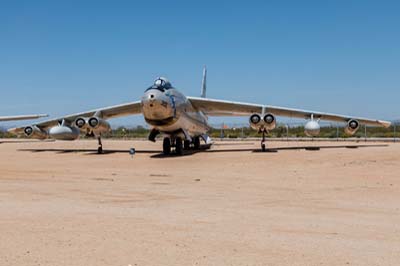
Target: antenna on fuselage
[204,83]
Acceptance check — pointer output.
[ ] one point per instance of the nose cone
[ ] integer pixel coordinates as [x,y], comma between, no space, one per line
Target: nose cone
[157,106]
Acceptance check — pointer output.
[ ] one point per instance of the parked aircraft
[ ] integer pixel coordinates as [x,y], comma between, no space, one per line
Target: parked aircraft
[182,120]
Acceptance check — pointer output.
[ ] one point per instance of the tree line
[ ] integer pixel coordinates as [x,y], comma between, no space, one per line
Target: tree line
[281,131]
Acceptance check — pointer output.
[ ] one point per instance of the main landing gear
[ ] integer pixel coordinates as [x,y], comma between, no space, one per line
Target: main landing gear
[179,144]
[167,145]
[100,147]
[196,143]
[263,146]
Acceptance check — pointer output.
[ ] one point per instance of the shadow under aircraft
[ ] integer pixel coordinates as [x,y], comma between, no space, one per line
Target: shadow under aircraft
[203,148]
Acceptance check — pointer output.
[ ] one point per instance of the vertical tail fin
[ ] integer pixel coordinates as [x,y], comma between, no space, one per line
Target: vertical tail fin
[204,83]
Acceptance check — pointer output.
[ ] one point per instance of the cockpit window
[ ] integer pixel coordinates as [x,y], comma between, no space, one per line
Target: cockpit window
[161,84]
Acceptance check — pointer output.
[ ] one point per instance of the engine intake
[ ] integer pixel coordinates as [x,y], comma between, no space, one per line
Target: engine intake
[352,127]
[255,119]
[35,132]
[81,123]
[98,125]
[269,121]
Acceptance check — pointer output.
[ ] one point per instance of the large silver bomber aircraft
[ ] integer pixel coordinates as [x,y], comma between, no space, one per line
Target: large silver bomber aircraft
[182,120]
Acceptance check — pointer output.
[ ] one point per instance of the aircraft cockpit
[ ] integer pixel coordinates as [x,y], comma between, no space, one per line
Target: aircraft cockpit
[161,84]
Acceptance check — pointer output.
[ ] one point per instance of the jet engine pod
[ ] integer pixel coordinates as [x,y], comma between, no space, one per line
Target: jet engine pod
[352,127]
[99,125]
[255,121]
[64,133]
[269,121]
[35,132]
[81,123]
[312,128]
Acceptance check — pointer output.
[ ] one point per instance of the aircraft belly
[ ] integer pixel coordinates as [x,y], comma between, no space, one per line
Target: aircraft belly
[191,124]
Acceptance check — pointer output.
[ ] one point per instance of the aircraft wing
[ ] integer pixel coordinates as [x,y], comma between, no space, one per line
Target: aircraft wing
[106,113]
[213,107]
[20,117]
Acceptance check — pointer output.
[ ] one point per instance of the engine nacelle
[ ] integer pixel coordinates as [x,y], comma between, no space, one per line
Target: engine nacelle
[312,128]
[81,123]
[64,133]
[35,132]
[268,122]
[98,125]
[255,121]
[352,127]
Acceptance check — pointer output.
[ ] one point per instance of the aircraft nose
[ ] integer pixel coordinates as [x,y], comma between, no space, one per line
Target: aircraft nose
[151,98]
[156,105]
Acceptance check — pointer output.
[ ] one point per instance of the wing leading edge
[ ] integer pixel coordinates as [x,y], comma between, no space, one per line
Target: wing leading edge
[212,107]
[21,117]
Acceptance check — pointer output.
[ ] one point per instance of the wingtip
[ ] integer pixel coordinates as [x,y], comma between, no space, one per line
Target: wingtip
[385,124]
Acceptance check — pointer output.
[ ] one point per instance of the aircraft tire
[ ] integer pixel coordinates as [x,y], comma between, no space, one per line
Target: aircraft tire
[186,145]
[263,147]
[166,146]
[178,146]
[196,143]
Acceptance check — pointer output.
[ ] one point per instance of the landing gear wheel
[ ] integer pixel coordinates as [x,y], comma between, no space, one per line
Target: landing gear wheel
[196,143]
[167,146]
[186,145]
[178,146]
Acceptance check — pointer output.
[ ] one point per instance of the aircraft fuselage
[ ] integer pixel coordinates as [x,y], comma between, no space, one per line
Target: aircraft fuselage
[171,113]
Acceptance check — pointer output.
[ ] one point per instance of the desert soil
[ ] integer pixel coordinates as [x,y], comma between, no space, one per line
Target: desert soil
[63,204]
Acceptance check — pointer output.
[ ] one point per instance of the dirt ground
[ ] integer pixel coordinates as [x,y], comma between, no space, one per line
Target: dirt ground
[62,204]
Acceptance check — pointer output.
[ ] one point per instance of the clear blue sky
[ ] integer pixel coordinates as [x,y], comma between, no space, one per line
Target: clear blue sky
[340,56]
